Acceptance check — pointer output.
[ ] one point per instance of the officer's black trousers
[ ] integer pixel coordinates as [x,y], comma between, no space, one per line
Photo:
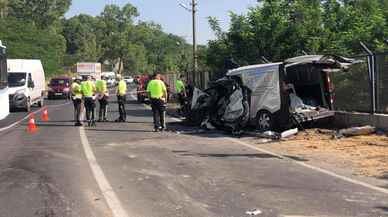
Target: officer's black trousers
[89,107]
[77,110]
[102,113]
[159,113]
[121,102]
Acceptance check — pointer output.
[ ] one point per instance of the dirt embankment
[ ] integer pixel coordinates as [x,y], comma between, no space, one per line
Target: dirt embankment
[367,155]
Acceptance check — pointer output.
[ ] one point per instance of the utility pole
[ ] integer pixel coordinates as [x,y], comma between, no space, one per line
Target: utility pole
[195,56]
[193,10]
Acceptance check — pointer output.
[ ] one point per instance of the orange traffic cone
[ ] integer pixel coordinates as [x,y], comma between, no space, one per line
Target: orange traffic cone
[32,128]
[44,115]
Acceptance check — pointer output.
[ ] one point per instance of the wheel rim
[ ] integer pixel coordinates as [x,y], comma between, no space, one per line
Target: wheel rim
[264,121]
[28,106]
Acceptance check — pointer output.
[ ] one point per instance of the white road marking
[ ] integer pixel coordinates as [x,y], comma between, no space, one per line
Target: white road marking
[23,119]
[106,189]
[327,172]
[298,216]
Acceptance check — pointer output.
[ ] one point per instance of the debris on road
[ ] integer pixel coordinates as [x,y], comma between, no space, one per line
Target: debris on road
[365,154]
[269,135]
[289,133]
[253,212]
[358,131]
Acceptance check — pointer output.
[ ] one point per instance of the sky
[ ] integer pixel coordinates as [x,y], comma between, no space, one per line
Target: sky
[173,18]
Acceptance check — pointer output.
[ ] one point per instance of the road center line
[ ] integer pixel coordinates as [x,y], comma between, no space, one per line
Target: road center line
[106,189]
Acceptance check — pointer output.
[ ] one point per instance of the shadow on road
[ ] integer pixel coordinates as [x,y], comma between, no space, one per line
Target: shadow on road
[296,158]
[118,130]
[383,208]
[258,155]
[134,112]
[40,124]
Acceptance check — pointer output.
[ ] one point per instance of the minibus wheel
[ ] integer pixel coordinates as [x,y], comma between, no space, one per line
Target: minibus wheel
[264,120]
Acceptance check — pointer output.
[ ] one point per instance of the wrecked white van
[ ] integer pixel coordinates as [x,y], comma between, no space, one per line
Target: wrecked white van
[297,90]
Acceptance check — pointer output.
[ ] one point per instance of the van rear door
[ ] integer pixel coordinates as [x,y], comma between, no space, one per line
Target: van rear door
[312,94]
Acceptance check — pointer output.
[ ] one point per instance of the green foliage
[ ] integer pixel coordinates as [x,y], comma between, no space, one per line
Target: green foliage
[42,13]
[81,39]
[36,29]
[279,29]
[24,40]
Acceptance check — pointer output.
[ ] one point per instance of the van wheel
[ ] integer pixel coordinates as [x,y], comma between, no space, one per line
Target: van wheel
[264,121]
[41,102]
[28,106]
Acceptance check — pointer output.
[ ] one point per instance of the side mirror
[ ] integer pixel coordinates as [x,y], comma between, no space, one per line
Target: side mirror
[31,84]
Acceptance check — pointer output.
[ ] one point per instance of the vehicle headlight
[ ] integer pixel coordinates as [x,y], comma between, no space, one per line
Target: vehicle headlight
[22,91]
[66,89]
[50,89]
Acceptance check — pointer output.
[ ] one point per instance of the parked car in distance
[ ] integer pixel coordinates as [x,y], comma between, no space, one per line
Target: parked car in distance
[142,88]
[128,79]
[26,80]
[59,87]
[110,78]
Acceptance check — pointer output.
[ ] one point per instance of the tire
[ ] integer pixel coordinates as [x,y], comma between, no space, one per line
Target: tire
[41,102]
[28,106]
[264,121]
[140,99]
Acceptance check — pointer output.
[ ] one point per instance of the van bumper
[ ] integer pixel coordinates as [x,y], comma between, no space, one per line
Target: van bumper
[314,116]
[17,101]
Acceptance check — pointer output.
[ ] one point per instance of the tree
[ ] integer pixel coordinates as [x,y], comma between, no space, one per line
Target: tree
[81,33]
[26,41]
[118,23]
[3,8]
[42,13]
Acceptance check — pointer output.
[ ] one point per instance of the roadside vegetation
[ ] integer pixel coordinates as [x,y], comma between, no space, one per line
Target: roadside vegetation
[37,29]
[280,29]
[273,30]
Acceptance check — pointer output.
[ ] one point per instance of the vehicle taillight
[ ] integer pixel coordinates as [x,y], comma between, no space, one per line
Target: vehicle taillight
[330,88]
[329,84]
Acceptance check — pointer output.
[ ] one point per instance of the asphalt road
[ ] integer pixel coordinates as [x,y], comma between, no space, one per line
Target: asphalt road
[131,171]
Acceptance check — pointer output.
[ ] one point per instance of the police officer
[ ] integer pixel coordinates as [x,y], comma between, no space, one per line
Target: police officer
[181,92]
[88,91]
[121,98]
[102,95]
[157,93]
[77,100]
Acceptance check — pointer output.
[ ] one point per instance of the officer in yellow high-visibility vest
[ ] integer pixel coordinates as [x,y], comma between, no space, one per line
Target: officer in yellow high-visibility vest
[157,92]
[102,94]
[180,88]
[77,100]
[121,98]
[88,91]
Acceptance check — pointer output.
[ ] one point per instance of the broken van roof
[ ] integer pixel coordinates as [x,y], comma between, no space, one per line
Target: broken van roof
[258,66]
[306,58]
[334,60]
[1,45]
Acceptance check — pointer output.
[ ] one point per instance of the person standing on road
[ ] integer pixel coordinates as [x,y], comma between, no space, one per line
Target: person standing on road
[102,96]
[121,98]
[181,92]
[77,100]
[157,93]
[88,91]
